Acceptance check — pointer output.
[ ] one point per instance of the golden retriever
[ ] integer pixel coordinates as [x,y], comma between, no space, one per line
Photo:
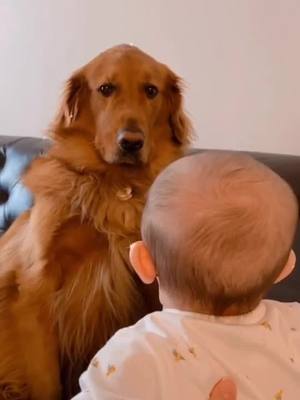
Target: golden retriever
[66,284]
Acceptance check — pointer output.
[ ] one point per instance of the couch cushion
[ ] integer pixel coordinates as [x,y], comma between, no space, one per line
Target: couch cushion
[15,155]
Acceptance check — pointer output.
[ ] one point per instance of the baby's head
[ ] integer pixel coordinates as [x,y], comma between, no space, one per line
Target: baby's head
[217,231]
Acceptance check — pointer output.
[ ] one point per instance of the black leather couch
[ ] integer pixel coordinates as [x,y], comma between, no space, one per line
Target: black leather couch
[16,153]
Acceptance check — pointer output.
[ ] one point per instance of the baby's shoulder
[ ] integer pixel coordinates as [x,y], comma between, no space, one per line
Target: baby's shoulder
[139,338]
[134,348]
[285,311]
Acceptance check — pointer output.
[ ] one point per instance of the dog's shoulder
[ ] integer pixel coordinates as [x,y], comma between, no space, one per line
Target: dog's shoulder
[47,176]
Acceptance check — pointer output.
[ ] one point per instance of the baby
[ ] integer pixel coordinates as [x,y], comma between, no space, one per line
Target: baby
[217,232]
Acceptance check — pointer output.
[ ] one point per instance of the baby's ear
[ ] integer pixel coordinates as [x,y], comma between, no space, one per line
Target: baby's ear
[142,263]
[288,268]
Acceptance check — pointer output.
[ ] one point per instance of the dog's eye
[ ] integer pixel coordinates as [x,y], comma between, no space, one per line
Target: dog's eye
[107,89]
[151,91]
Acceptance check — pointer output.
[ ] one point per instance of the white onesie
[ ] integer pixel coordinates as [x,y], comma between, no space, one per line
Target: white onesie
[177,355]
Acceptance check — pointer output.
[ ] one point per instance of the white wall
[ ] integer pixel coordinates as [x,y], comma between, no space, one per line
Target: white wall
[240,59]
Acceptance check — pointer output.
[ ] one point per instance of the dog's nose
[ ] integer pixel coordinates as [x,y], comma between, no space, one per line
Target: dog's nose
[130,142]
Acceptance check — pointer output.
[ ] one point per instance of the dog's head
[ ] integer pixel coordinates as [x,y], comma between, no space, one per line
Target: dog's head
[127,104]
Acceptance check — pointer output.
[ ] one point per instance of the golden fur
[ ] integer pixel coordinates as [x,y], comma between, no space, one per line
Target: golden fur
[66,284]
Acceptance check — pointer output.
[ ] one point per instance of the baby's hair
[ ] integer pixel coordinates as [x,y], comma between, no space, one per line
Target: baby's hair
[219,227]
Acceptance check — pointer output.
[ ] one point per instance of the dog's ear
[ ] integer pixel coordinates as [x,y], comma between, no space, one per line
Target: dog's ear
[72,100]
[180,124]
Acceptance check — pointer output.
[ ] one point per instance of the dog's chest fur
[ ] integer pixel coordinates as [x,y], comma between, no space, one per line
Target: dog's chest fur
[83,226]
[97,291]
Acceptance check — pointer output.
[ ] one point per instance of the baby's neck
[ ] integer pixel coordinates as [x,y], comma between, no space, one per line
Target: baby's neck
[170,302]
